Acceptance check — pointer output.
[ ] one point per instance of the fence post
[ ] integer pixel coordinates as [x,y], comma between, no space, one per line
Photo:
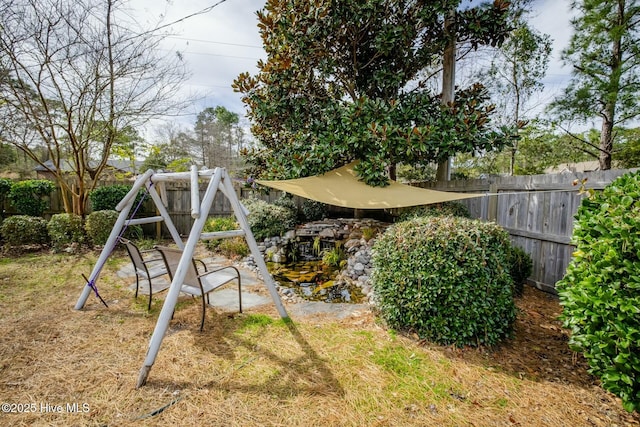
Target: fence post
[492,209]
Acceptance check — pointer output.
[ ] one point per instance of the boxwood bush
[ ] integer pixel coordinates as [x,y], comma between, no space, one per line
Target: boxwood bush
[21,230]
[65,229]
[600,292]
[99,224]
[445,278]
[437,209]
[108,197]
[268,220]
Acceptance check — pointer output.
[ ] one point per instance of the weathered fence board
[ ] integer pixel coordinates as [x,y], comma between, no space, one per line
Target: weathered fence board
[536,210]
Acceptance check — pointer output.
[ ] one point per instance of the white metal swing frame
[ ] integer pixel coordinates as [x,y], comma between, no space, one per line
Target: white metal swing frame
[219,180]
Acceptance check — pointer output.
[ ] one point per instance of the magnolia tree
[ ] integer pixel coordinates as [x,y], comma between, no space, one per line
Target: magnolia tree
[347,80]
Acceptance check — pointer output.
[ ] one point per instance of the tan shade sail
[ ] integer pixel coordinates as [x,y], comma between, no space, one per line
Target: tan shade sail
[341,187]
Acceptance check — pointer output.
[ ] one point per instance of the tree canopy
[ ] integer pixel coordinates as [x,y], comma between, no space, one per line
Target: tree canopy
[74,76]
[605,54]
[214,141]
[516,72]
[351,80]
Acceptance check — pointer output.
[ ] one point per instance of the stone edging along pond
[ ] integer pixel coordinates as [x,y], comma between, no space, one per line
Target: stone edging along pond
[304,246]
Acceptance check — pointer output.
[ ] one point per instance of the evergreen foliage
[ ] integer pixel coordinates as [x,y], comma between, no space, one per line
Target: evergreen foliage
[27,196]
[445,278]
[600,292]
[21,230]
[346,80]
[108,197]
[269,220]
[65,229]
[437,209]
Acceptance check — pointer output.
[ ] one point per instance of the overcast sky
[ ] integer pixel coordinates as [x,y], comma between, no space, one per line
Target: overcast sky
[219,45]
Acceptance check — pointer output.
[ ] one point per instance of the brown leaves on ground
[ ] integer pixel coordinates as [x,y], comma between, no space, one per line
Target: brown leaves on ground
[253,370]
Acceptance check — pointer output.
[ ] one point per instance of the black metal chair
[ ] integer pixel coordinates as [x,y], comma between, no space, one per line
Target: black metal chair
[200,284]
[146,267]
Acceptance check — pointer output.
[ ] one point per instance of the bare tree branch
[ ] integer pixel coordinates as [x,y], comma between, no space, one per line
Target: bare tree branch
[79,73]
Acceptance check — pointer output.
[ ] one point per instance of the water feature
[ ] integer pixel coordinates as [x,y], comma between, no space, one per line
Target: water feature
[315,281]
[328,260]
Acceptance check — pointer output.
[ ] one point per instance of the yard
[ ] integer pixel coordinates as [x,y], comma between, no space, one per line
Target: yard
[65,367]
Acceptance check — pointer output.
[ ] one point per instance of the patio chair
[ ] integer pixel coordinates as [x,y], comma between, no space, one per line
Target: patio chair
[200,283]
[147,268]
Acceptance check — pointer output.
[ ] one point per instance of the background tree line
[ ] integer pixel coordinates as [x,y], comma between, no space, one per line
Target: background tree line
[216,140]
[79,81]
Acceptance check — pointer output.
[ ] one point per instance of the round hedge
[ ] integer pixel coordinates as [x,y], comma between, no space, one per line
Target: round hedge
[269,220]
[20,230]
[445,278]
[65,229]
[99,225]
[600,292]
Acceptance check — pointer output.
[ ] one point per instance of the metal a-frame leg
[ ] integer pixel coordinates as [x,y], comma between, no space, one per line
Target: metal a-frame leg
[106,251]
[125,207]
[253,246]
[181,271]
[219,181]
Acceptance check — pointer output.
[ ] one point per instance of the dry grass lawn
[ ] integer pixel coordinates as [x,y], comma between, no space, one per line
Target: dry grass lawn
[256,370]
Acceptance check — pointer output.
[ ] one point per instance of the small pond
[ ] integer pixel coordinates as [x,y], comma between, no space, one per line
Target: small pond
[315,281]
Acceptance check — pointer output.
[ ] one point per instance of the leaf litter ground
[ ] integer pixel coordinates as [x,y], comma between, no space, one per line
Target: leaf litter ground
[255,370]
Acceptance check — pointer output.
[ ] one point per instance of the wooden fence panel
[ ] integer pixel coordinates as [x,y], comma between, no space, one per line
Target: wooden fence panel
[538,212]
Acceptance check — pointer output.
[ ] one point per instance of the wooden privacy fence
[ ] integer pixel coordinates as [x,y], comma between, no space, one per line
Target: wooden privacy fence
[179,203]
[537,211]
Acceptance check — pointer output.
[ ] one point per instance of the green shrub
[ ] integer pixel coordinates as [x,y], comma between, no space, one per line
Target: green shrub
[223,223]
[286,201]
[268,220]
[108,197]
[313,210]
[20,230]
[456,209]
[445,278]
[99,224]
[65,229]
[5,187]
[335,256]
[234,247]
[27,196]
[600,292]
[520,268]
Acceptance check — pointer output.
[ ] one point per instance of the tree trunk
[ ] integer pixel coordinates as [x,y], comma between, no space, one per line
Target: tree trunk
[443,172]
[606,139]
[609,111]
